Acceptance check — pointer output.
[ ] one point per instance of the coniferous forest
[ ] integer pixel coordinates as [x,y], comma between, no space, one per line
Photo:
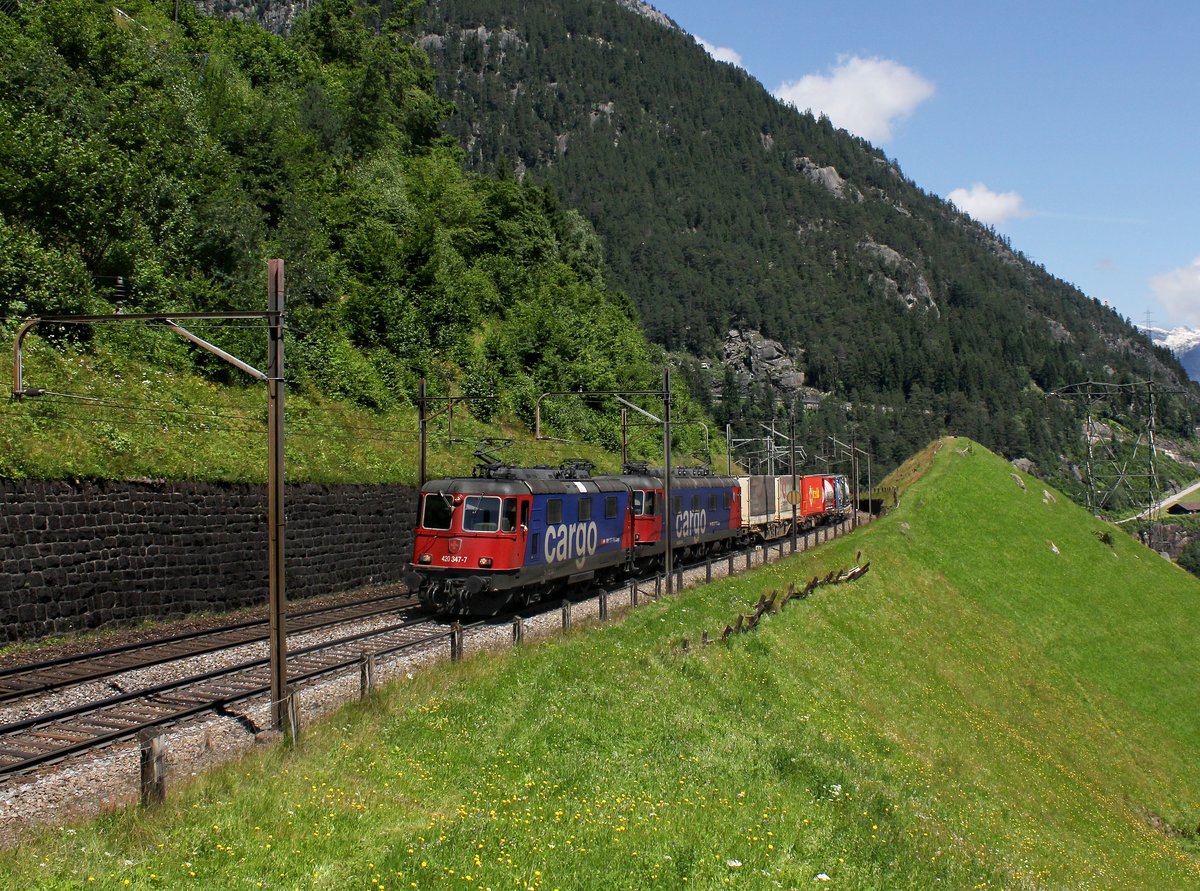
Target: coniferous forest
[723,208]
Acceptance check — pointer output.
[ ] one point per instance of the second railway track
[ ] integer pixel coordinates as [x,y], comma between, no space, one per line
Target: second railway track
[36,678]
[48,737]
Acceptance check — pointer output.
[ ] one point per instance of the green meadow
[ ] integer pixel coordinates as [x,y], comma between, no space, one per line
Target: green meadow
[1008,699]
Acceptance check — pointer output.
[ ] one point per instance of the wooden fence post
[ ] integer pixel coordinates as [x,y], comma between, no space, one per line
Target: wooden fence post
[154,767]
[566,614]
[456,642]
[366,674]
[291,714]
[518,630]
[604,606]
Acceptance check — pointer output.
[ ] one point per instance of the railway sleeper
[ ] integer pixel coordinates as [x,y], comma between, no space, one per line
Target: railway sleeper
[107,724]
[64,735]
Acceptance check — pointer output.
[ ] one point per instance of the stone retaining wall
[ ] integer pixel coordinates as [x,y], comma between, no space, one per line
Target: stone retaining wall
[1170,538]
[88,554]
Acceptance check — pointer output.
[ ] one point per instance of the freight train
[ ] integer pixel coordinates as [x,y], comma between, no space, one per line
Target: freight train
[511,536]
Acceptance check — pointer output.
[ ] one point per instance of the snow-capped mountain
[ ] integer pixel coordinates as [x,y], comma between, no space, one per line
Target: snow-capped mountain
[1184,343]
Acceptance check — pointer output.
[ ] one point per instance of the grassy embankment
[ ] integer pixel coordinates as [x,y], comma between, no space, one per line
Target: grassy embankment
[155,418]
[1005,700]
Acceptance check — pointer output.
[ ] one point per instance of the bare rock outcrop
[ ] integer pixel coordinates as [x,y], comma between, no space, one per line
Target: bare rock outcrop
[755,358]
[648,11]
[900,278]
[829,178]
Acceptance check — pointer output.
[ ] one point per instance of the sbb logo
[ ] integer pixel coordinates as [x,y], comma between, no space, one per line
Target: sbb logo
[691,522]
[569,542]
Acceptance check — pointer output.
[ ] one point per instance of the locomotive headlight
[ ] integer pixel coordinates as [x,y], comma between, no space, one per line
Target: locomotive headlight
[485,562]
[425,558]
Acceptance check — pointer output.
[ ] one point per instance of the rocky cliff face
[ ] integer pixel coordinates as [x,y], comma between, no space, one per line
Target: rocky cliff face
[755,359]
[900,277]
[274,15]
[645,9]
[1169,538]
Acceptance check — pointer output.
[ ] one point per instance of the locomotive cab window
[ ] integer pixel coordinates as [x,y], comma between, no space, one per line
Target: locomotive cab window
[610,507]
[554,511]
[645,504]
[695,502]
[676,504]
[438,511]
[508,520]
[712,501]
[585,509]
[481,513]
[727,500]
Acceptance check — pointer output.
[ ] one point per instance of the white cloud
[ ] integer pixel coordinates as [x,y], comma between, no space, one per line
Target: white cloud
[987,206]
[721,53]
[1179,292]
[865,96]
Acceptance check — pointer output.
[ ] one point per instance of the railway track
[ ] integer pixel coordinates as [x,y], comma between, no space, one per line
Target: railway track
[37,678]
[45,738]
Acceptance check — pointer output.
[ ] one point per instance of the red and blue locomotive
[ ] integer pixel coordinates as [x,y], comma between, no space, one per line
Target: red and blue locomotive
[513,536]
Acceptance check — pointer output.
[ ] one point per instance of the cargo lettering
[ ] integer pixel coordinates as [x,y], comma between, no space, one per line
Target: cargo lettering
[691,522]
[565,542]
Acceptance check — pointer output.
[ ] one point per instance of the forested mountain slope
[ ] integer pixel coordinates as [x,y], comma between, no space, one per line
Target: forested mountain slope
[721,207]
[152,165]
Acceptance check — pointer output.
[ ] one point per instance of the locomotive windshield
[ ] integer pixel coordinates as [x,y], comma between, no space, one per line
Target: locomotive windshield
[438,512]
[481,514]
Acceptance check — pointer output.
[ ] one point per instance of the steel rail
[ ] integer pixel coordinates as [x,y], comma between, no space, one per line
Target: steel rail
[19,681]
[156,698]
[168,686]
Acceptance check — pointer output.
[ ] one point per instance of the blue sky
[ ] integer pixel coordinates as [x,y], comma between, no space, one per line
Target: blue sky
[1071,127]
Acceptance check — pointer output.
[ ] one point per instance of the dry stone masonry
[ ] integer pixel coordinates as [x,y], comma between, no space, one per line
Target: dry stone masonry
[80,555]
